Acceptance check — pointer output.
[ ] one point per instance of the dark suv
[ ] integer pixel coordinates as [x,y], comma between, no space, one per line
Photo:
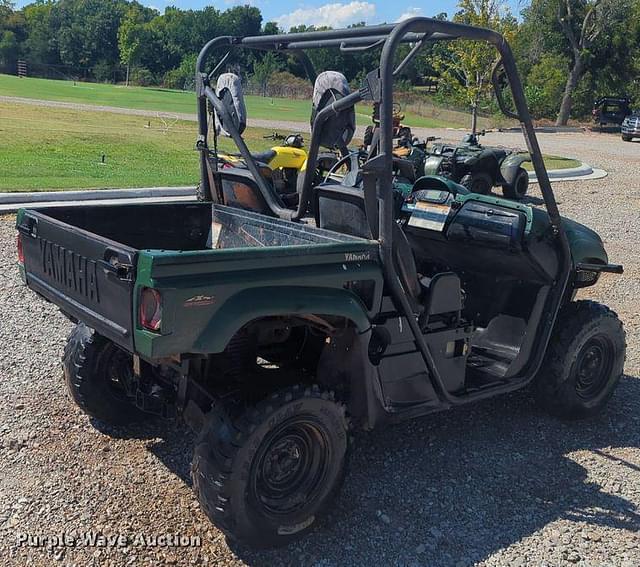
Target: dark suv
[610,110]
[631,126]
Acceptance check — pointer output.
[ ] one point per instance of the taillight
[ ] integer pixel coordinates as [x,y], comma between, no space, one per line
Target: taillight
[150,309]
[20,248]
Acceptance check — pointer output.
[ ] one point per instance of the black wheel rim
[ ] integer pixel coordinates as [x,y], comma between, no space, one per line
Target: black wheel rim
[119,372]
[593,367]
[290,469]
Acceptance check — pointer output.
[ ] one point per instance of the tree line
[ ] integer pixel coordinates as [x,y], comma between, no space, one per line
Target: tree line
[569,52]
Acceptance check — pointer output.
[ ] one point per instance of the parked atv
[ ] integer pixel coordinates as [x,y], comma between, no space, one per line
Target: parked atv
[274,332]
[479,168]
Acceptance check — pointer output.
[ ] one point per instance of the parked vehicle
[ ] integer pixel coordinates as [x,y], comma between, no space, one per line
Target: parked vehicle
[631,126]
[610,110]
[275,331]
[479,168]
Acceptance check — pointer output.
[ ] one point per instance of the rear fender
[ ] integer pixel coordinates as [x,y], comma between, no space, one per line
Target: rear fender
[255,303]
[510,166]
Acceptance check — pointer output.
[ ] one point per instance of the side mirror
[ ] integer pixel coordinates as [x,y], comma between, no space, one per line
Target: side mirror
[498,79]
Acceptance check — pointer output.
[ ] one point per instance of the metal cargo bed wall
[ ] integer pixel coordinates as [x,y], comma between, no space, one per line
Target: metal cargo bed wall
[176,226]
[89,277]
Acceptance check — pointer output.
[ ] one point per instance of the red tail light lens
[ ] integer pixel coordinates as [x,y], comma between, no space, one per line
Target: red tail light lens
[151,309]
[20,248]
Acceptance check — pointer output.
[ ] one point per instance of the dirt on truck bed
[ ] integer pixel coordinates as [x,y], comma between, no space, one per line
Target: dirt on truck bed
[499,483]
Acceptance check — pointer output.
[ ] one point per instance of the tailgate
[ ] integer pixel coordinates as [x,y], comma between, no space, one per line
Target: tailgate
[91,278]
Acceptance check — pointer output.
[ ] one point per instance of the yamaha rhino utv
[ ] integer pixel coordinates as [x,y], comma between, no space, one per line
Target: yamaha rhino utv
[275,330]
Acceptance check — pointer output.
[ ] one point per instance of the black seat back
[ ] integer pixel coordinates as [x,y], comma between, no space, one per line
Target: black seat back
[343,209]
[338,130]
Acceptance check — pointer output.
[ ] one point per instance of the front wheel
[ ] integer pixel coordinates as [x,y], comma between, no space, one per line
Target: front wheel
[518,189]
[626,138]
[583,363]
[477,182]
[264,477]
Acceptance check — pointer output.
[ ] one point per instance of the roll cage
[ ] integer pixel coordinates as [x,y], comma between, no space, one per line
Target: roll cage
[378,171]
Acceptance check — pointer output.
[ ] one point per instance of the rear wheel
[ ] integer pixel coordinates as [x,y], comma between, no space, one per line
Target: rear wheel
[584,361]
[518,189]
[265,476]
[478,182]
[96,372]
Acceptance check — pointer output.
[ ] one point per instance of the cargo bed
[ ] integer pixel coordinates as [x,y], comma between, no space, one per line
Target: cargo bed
[88,260]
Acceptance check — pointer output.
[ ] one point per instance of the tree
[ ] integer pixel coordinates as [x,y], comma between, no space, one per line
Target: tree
[465,66]
[264,69]
[545,85]
[582,23]
[8,48]
[40,45]
[131,38]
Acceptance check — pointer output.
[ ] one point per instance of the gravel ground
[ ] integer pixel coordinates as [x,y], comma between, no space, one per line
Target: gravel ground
[498,483]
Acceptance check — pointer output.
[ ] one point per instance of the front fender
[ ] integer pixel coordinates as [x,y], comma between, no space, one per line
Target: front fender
[256,303]
[432,165]
[510,166]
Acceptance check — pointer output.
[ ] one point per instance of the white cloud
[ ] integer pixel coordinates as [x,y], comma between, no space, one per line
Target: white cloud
[410,13]
[336,15]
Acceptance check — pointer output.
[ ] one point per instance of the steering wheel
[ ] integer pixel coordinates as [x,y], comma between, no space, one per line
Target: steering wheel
[348,160]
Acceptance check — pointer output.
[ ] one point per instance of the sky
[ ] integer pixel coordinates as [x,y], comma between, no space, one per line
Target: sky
[334,13]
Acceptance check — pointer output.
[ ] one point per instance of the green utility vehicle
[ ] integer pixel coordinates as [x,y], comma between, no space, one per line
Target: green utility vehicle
[274,329]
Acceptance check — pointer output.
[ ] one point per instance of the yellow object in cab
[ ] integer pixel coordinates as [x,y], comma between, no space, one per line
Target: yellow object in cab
[287,157]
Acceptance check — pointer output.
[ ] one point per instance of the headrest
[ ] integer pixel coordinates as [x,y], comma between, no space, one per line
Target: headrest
[229,91]
[338,130]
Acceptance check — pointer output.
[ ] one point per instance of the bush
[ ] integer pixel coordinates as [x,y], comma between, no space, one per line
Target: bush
[104,72]
[182,77]
[142,77]
[545,85]
[281,84]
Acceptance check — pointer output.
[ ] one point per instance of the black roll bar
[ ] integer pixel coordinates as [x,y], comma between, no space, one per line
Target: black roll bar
[425,25]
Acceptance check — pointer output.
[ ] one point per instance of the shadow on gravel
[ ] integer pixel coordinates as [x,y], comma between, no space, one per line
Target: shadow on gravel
[170,441]
[459,486]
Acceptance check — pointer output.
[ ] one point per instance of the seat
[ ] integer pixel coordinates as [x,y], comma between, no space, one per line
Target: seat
[405,265]
[337,132]
[334,134]
[343,209]
[264,157]
[229,91]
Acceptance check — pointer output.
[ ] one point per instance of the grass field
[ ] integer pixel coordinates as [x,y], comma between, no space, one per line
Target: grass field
[555,162]
[53,149]
[56,149]
[147,98]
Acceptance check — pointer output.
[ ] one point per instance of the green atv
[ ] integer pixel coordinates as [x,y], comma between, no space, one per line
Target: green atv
[275,331]
[479,168]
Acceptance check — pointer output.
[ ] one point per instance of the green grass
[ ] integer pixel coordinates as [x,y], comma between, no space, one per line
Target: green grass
[157,99]
[554,162]
[55,149]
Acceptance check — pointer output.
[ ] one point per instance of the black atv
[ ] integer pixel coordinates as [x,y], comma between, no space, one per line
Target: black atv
[479,168]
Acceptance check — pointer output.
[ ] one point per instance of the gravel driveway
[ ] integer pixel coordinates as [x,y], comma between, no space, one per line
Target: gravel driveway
[498,483]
